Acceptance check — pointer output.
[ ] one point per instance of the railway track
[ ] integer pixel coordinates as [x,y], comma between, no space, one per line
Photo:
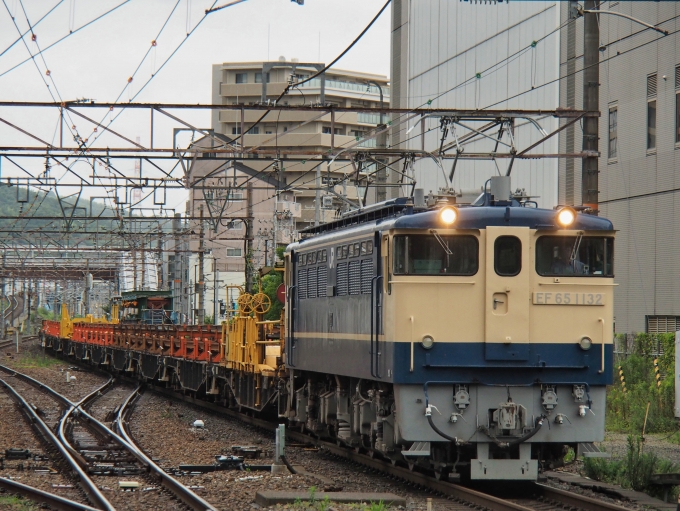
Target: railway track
[98,455]
[535,497]
[10,343]
[43,497]
[13,309]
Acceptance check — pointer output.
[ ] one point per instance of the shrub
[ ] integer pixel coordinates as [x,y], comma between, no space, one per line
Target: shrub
[626,409]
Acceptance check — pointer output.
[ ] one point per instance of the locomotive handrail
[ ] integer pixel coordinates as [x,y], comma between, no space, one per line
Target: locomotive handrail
[604,334]
[375,326]
[515,366]
[290,345]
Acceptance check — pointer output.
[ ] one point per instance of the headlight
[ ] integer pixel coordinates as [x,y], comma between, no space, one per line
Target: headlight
[566,217]
[585,343]
[427,342]
[448,215]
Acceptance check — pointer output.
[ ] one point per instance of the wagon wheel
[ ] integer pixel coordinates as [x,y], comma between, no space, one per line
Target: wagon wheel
[261,303]
[245,303]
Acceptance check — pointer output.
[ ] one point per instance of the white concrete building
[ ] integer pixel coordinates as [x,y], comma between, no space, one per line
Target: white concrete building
[468,55]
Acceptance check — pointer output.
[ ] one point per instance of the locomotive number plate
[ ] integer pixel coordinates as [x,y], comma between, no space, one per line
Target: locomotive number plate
[568,299]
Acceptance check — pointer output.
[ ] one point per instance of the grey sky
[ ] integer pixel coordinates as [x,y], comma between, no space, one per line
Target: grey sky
[96,62]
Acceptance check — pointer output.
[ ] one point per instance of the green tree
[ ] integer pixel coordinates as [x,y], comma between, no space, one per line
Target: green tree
[270,284]
[280,251]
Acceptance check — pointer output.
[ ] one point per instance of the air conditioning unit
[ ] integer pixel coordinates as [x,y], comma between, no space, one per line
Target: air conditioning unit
[327,202]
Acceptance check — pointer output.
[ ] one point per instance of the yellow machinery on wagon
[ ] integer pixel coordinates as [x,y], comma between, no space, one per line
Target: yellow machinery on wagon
[251,344]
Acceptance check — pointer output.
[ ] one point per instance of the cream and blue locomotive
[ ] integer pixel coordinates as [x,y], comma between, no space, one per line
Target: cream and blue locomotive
[472,340]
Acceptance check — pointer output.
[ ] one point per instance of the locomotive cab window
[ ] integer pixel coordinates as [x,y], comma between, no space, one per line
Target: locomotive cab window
[432,254]
[575,256]
[507,259]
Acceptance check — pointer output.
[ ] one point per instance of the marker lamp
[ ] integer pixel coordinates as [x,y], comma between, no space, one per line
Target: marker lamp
[566,217]
[448,215]
[427,342]
[585,343]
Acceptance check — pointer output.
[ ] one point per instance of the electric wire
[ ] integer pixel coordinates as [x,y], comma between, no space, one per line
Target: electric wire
[525,92]
[36,24]
[66,36]
[344,52]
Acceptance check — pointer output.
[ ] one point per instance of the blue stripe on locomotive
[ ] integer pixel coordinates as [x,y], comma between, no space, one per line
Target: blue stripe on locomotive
[483,362]
[461,362]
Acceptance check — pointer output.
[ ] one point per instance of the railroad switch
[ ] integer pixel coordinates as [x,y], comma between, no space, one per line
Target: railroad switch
[221,463]
[17,454]
[247,451]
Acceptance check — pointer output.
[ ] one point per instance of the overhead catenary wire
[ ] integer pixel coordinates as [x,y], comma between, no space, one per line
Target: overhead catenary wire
[418,135]
[66,36]
[287,89]
[21,36]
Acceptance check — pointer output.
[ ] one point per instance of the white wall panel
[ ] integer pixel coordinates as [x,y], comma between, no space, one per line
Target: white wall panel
[449,42]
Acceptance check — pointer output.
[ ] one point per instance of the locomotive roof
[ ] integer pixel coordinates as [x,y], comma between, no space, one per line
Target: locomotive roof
[480,217]
[469,217]
[401,214]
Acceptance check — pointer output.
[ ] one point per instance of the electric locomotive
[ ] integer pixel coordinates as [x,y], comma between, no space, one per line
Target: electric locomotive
[474,340]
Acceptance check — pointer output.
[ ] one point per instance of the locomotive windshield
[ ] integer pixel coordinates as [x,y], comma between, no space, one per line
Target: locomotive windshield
[575,255]
[432,254]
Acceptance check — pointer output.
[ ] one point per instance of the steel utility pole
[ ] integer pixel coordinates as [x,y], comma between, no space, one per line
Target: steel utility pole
[317,198]
[591,103]
[201,270]
[249,238]
[177,267]
[215,293]
[381,143]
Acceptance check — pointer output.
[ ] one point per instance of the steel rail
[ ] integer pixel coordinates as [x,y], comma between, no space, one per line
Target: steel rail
[182,492]
[67,403]
[41,496]
[450,489]
[12,342]
[444,487]
[67,416]
[91,490]
[574,500]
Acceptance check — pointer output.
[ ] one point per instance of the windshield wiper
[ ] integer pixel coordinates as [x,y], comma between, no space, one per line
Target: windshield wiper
[577,245]
[441,242]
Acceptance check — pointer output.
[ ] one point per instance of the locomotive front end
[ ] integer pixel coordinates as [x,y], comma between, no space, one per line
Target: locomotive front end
[502,321]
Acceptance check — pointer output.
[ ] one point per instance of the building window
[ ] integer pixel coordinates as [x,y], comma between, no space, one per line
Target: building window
[662,324]
[255,130]
[258,78]
[236,196]
[234,252]
[651,112]
[241,77]
[326,130]
[613,121]
[236,130]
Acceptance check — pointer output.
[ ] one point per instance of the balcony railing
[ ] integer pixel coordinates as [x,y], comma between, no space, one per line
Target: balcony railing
[369,118]
[358,87]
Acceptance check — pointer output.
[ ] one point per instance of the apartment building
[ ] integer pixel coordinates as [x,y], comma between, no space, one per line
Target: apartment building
[249,83]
